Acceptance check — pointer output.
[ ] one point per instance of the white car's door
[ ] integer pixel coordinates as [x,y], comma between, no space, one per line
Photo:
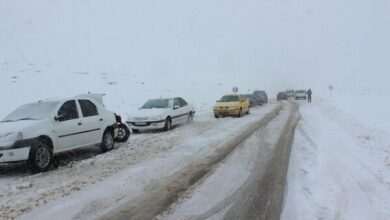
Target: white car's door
[93,122]
[68,127]
[185,110]
[176,112]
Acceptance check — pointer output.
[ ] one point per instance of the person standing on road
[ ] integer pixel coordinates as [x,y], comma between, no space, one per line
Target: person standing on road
[309,95]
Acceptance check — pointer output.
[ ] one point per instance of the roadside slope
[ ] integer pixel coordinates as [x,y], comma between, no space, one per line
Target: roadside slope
[339,169]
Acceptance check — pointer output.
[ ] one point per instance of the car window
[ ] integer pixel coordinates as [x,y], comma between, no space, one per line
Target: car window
[68,111]
[34,111]
[176,102]
[182,102]
[230,98]
[88,108]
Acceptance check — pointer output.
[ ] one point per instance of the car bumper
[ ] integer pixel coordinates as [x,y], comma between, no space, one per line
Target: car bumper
[13,155]
[226,112]
[146,125]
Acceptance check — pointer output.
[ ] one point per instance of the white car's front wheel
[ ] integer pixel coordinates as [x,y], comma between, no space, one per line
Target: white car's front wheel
[168,124]
[190,119]
[40,157]
[107,141]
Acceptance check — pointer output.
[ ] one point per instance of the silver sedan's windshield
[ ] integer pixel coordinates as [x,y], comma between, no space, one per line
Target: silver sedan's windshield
[34,111]
[156,103]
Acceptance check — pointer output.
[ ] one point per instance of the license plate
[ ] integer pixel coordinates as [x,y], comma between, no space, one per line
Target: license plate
[140,123]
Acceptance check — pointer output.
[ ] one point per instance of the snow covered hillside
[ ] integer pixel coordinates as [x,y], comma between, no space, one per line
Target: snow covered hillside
[22,83]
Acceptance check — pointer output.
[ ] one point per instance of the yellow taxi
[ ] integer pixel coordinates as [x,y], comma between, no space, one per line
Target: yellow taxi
[232,105]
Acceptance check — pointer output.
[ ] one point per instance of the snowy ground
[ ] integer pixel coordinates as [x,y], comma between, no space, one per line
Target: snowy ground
[339,167]
[223,193]
[22,192]
[340,162]
[22,83]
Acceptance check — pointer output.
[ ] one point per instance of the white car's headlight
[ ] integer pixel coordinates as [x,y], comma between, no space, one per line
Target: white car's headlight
[157,118]
[11,137]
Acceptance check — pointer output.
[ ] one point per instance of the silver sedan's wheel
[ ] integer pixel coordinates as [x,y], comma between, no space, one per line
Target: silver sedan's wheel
[168,124]
[190,119]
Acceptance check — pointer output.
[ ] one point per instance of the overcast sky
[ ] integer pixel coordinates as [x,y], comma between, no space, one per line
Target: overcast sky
[278,43]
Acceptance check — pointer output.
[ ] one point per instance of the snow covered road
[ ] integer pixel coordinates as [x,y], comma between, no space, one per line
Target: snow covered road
[21,192]
[249,183]
[78,183]
[230,168]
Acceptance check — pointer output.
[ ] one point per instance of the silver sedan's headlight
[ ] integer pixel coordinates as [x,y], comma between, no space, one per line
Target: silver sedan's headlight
[156,118]
[11,137]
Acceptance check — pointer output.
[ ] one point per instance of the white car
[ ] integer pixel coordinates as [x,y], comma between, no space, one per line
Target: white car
[37,131]
[300,94]
[161,114]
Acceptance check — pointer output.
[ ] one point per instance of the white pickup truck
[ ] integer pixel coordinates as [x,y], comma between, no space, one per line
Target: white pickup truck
[37,131]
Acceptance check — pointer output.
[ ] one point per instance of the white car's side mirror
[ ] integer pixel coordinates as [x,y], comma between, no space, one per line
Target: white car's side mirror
[59,118]
[176,107]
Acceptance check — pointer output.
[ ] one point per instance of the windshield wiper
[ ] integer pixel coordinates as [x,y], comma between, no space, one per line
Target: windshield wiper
[8,121]
[23,119]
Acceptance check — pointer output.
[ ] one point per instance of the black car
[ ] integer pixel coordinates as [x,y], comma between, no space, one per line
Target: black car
[282,96]
[250,99]
[261,95]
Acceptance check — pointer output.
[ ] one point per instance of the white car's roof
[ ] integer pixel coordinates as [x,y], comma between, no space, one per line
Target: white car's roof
[95,96]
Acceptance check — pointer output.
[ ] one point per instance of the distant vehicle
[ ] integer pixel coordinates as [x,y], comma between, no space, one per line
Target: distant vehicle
[261,95]
[300,94]
[231,105]
[37,131]
[256,99]
[249,97]
[161,113]
[290,94]
[282,96]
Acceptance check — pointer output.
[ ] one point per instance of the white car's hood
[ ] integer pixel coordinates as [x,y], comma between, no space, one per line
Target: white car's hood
[16,126]
[143,113]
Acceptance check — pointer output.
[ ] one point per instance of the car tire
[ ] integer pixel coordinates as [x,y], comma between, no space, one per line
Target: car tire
[190,119]
[107,141]
[168,124]
[40,157]
[123,133]
[216,116]
[249,111]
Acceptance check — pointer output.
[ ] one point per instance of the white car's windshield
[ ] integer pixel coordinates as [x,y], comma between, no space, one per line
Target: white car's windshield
[156,103]
[34,111]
